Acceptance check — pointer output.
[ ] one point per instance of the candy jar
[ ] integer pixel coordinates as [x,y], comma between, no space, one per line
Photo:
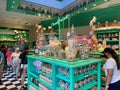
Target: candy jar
[72,51]
[62,84]
[61,54]
[84,52]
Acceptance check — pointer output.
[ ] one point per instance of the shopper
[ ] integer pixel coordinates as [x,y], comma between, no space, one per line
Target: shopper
[23,65]
[16,61]
[111,67]
[8,57]
[4,50]
[1,65]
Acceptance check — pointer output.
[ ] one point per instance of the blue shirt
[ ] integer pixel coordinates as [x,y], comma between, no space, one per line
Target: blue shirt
[1,55]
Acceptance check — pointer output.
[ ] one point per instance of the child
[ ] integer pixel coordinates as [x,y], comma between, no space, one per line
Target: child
[8,57]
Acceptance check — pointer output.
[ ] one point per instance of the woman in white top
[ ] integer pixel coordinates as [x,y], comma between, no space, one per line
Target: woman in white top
[111,67]
[16,61]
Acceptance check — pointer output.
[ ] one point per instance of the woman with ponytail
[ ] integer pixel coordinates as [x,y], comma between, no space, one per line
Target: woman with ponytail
[111,67]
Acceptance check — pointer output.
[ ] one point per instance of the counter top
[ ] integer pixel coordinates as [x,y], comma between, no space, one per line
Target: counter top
[65,63]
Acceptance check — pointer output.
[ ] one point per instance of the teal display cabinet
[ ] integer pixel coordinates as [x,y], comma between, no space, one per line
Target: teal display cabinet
[53,74]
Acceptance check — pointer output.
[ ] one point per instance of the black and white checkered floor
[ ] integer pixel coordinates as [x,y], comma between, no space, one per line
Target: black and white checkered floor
[9,81]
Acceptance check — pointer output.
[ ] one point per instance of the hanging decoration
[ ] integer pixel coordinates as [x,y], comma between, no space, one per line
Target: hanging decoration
[40,36]
[92,42]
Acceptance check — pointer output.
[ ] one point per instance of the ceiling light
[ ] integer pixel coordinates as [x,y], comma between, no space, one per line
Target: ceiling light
[15,31]
[85,8]
[12,6]
[49,16]
[39,26]
[13,1]
[105,0]
[94,5]
[44,28]
[49,27]
[23,31]
[39,14]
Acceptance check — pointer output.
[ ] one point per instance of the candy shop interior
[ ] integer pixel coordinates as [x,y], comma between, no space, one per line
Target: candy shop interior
[59,44]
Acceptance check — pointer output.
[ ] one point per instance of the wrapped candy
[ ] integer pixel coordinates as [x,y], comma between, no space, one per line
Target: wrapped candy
[84,50]
[72,51]
[61,54]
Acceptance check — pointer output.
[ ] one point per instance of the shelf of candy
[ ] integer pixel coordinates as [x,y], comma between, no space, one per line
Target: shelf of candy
[46,68]
[7,32]
[37,85]
[32,87]
[114,38]
[115,46]
[84,83]
[41,80]
[107,34]
[86,71]
[64,85]
[35,81]
[108,45]
[64,73]
[45,79]
[80,73]
[99,47]
[42,87]
[7,39]
[41,68]
[33,84]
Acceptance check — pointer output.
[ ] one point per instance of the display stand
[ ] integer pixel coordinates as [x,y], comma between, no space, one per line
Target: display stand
[111,34]
[55,74]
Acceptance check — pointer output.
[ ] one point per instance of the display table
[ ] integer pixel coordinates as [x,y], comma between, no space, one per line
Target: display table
[54,74]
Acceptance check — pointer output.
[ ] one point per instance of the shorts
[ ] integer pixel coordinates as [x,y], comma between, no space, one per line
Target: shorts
[9,63]
[24,66]
[114,86]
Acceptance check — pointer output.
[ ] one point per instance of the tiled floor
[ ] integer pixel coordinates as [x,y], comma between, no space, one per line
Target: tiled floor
[9,81]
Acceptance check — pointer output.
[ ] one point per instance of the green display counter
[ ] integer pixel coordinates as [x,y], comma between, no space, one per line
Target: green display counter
[54,74]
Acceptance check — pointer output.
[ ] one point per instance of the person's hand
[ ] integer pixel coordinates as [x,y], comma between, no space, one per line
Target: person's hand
[106,88]
[104,59]
[14,65]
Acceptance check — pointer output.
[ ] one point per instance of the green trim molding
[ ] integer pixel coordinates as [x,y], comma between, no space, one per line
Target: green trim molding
[82,19]
[12,5]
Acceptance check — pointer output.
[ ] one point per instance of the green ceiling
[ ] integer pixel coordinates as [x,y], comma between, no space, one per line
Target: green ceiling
[82,19]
